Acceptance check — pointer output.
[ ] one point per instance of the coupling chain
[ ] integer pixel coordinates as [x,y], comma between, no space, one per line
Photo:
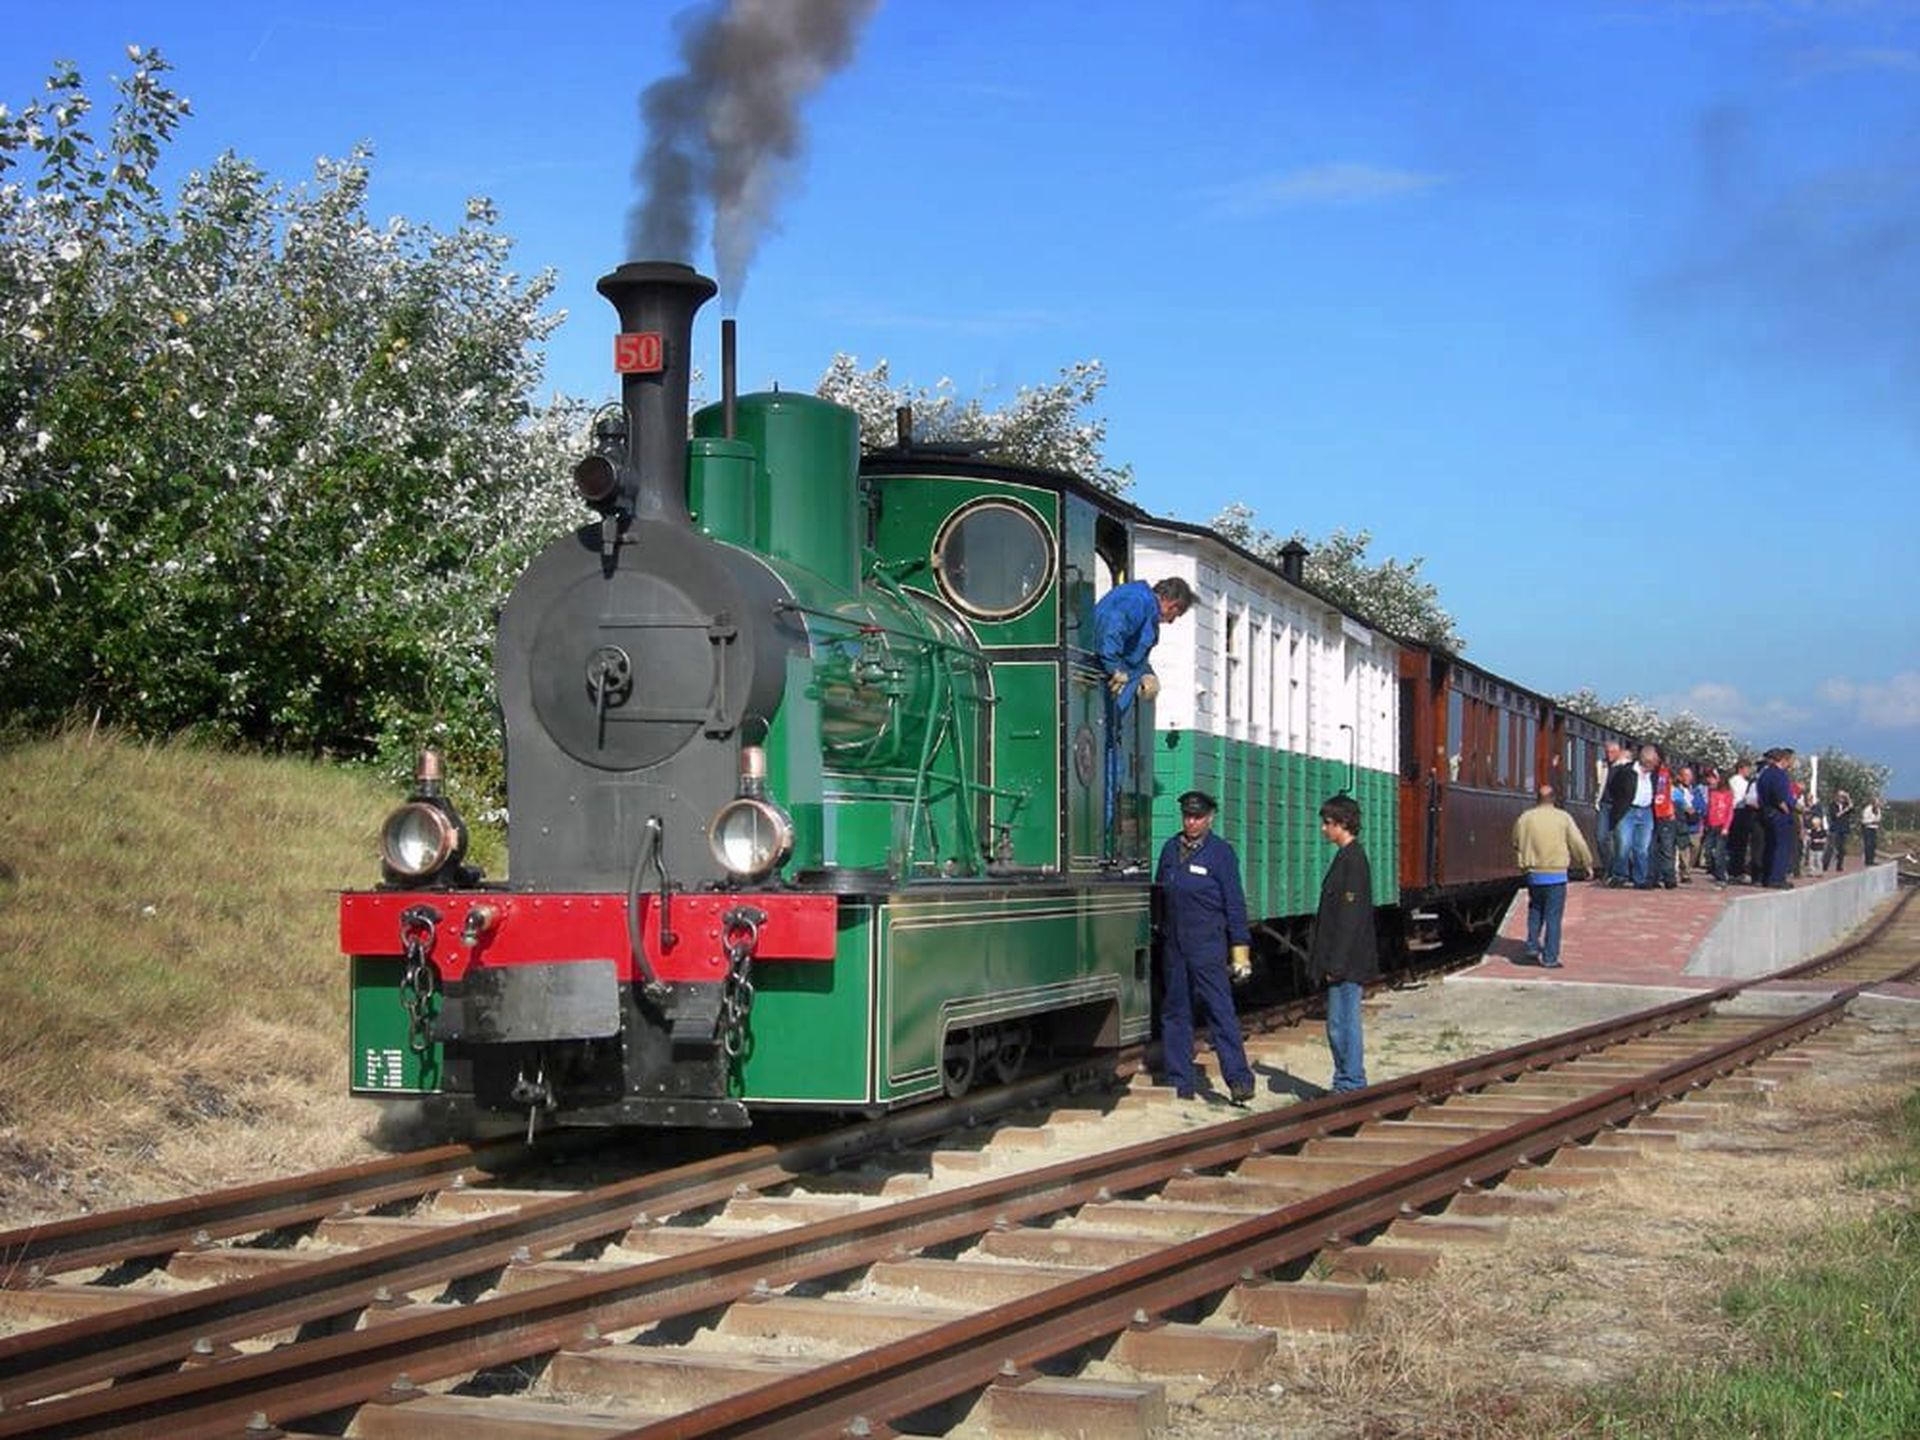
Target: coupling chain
[419,982]
[740,934]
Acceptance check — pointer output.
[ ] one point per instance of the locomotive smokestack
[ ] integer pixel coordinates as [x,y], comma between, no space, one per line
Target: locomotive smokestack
[656,300]
[729,374]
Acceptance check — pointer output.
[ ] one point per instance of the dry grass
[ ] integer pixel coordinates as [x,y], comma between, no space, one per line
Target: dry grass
[1624,1280]
[174,998]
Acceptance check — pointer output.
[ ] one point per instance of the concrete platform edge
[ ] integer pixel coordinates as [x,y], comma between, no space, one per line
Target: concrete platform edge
[1767,930]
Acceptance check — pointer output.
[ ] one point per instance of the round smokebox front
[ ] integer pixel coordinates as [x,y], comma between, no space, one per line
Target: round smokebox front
[630,668]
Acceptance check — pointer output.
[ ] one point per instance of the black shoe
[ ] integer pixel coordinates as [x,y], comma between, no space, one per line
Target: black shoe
[1615,883]
[1183,1094]
[1550,965]
[1240,1094]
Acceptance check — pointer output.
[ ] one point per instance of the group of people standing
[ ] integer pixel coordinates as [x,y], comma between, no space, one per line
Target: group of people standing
[1825,829]
[1751,825]
[1658,824]
[1206,945]
[1205,939]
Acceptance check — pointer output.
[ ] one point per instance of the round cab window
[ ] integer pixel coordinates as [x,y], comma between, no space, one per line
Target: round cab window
[994,559]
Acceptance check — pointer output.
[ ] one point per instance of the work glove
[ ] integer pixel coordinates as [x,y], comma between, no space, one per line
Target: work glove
[1149,686]
[1240,962]
[1117,682]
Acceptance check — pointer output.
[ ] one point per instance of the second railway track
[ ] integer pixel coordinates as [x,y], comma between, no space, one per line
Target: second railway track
[579,1315]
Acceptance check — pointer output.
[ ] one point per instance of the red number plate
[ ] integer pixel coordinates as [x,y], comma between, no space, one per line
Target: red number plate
[639,352]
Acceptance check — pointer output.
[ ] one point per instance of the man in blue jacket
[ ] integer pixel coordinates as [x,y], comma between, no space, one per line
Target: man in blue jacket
[1204,945]
[1126,626]
[1775,783]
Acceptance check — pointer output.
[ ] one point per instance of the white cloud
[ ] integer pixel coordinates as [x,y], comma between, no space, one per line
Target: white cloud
[1342,183]
[1727,705]
[1889,704]
[1892,704]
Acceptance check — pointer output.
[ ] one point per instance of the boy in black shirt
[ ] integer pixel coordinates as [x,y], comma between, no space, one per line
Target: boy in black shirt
[1345,953]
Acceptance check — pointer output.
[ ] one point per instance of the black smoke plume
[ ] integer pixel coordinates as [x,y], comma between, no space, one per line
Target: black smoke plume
[724,134]
[1814,264]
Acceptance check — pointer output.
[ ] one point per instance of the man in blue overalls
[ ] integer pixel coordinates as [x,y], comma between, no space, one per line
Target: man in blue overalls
[1203,939]
[1126,626]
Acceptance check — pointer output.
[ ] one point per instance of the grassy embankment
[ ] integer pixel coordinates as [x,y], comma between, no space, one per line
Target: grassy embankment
[1830,1339]
[172,1000]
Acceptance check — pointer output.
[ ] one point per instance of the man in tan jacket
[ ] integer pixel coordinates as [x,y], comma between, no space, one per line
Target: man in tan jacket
[1546,844]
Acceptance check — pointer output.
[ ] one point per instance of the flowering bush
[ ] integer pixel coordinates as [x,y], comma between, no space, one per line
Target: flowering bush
[267,467]
[1045,425]
[1389,593]
[1684,736]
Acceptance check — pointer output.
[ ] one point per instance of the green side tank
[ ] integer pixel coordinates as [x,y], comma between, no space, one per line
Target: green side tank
[806,491]
[722,477]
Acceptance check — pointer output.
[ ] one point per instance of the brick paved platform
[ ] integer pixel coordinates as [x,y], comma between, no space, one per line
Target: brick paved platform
[1665,938]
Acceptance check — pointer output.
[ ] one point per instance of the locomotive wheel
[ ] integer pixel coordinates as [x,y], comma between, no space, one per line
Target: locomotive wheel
[960,1063]
[1010,1054]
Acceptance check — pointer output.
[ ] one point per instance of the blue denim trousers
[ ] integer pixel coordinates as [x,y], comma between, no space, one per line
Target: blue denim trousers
[1545,905]
[1666,841]
[1602,845]
[1717,854]
[1633,844]
[1343,1035]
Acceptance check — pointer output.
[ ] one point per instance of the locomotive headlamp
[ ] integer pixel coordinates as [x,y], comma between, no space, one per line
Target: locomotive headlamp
[417,840]
[425,836]
[751,836]
[596,480]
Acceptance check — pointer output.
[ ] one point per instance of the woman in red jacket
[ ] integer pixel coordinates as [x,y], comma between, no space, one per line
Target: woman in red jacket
[1719,822]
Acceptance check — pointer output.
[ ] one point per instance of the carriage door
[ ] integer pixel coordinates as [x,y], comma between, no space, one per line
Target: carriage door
[1098,556]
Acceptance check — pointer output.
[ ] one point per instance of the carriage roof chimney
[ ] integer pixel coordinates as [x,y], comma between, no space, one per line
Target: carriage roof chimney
[1293,562]
[656,300]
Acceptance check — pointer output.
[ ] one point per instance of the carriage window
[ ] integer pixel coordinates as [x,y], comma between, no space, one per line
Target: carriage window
[1503,768]
[1456,732]
[1233,665]
[994,559]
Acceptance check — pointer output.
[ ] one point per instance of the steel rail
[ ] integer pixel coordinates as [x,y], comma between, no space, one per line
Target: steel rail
[1847,949]
[197,1313]
[863,1393]
[32,1253]
[324,1374]
[141,1337]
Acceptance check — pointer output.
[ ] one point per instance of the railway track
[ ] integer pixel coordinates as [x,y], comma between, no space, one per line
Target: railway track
[967,1270]
[34,1256]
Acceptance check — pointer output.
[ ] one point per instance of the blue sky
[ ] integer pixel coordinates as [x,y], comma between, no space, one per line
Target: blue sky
[1610,309]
